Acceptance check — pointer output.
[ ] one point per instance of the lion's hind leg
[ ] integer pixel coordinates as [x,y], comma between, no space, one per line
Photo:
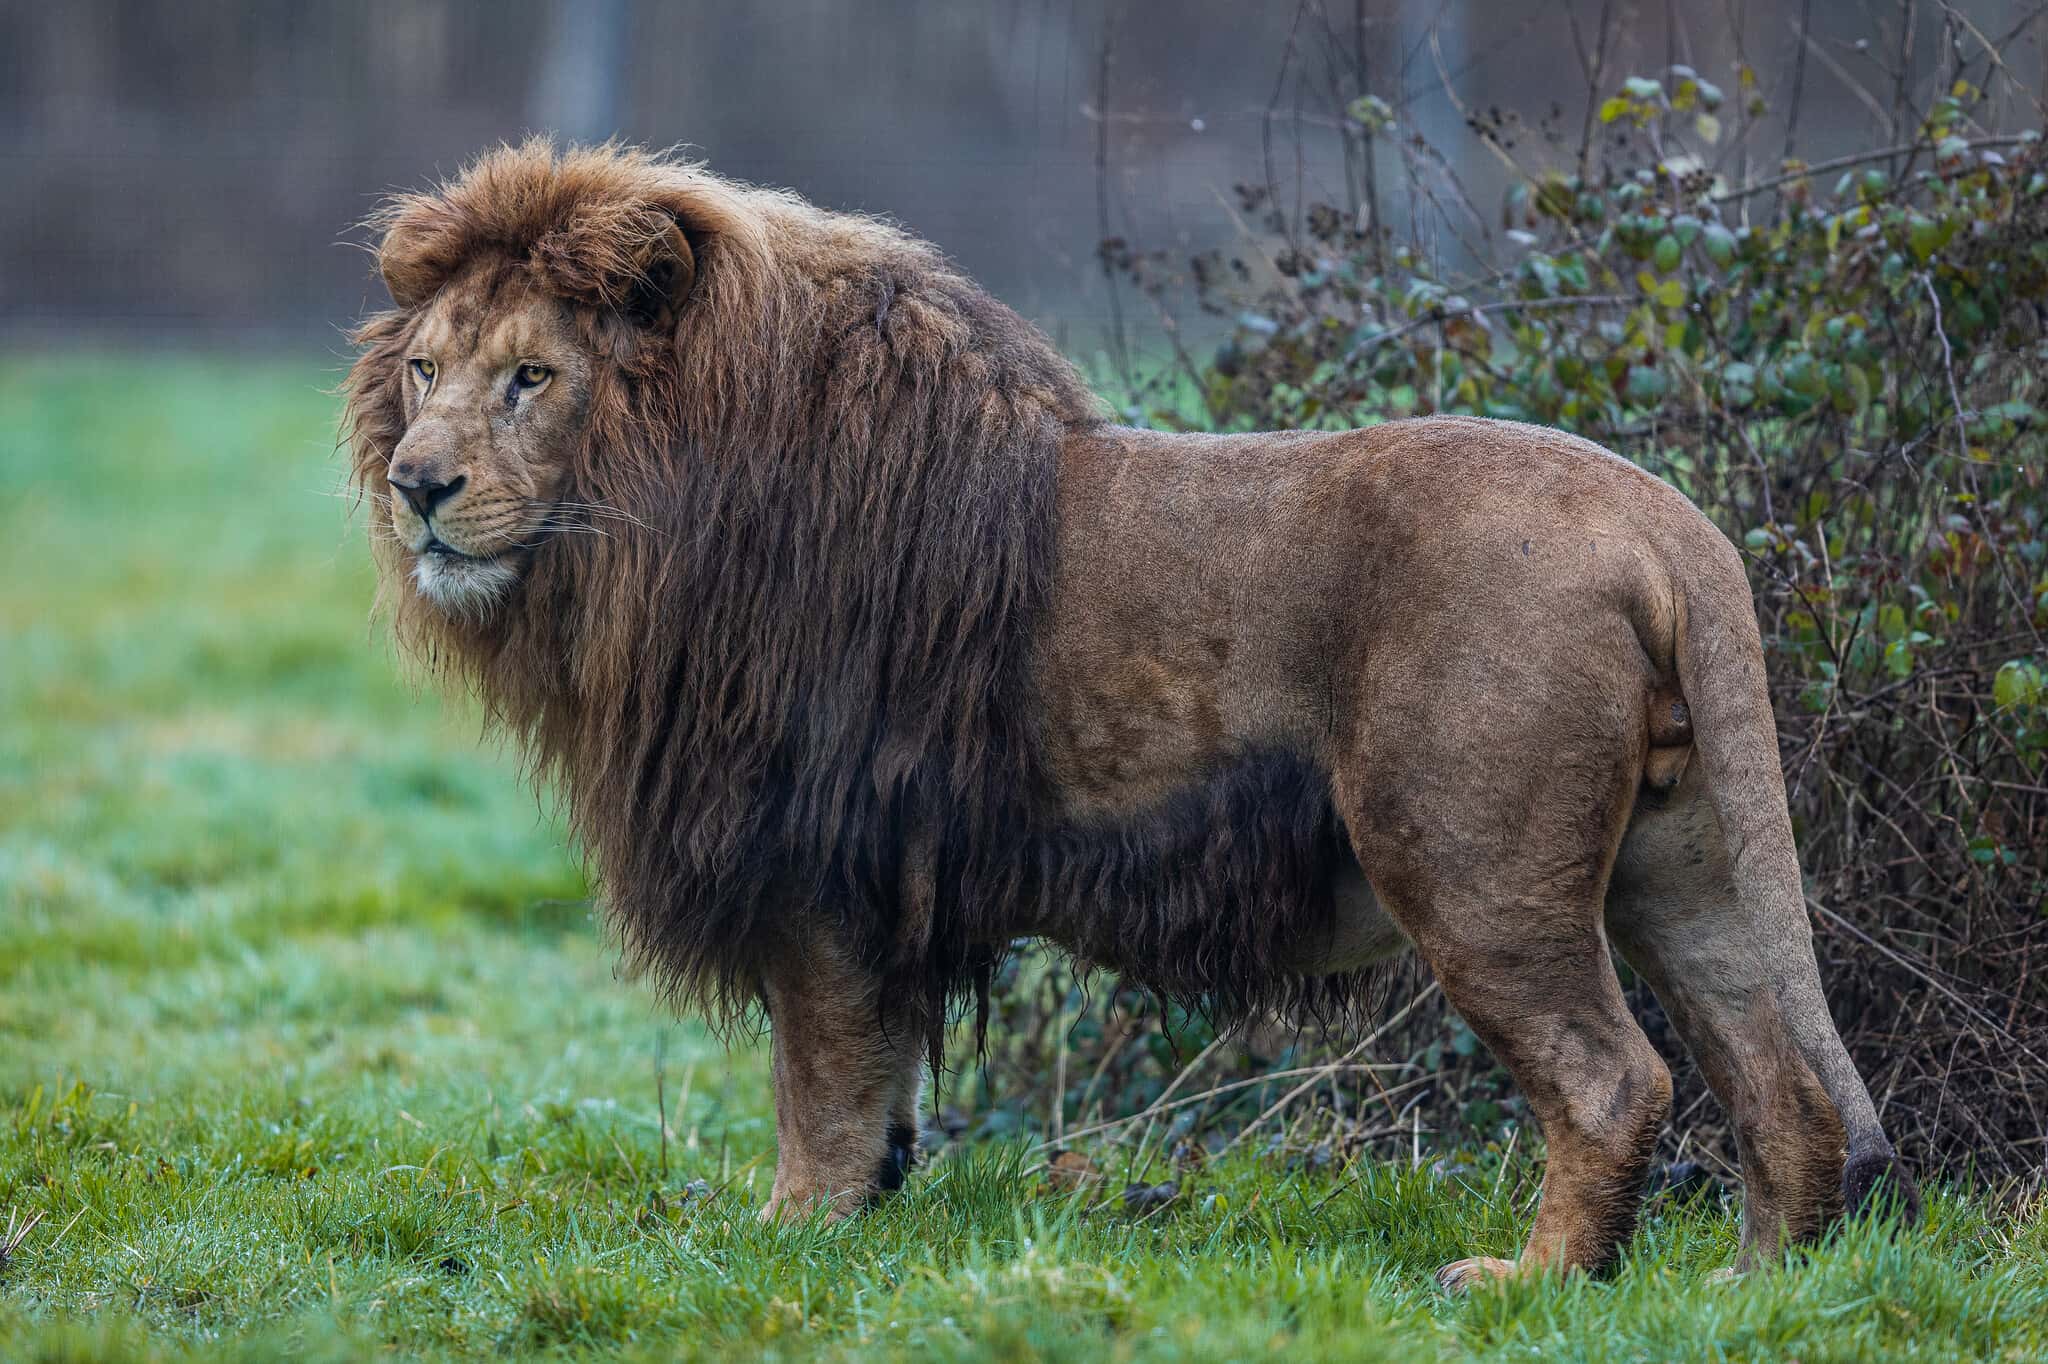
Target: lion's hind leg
[1674,912]
[1494,859]
[1547,1004]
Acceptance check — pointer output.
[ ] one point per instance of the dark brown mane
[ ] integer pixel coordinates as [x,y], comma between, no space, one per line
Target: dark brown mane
[800,673]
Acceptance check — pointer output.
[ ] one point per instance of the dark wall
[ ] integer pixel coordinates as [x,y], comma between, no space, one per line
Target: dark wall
[189,169]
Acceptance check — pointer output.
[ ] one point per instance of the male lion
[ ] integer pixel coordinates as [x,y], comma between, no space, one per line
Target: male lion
[860,644]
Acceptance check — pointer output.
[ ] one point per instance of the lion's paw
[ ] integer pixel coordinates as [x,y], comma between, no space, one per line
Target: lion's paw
[1461,1275]
[1725,1274]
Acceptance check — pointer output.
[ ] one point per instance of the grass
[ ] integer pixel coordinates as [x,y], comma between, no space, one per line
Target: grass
[309,1044]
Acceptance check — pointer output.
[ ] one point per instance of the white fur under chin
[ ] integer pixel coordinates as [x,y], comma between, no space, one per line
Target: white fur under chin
[462,587]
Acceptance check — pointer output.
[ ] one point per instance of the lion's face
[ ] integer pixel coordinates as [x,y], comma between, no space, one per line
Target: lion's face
[495,392]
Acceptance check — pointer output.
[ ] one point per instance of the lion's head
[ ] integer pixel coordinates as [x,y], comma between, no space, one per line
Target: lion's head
[495,389]
[517,288]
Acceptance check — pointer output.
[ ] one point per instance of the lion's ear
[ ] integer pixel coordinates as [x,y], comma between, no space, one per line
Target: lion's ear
[662,281]
[632,257]
[422,245]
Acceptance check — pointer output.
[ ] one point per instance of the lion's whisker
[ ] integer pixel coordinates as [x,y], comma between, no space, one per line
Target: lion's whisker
[353,495]
[570,527]
[590,515]
[602,509]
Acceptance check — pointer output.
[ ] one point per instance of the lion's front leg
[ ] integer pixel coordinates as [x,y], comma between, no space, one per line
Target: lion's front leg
[847,1072]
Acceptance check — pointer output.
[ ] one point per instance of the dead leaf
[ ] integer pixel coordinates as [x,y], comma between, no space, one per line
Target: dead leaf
[1071,1170]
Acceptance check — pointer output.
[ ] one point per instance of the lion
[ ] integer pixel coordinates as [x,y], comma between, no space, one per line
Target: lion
[859,642]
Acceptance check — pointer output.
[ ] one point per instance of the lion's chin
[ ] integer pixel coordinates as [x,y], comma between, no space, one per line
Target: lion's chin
[464,587]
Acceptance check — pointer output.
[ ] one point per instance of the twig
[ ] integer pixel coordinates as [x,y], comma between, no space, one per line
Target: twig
[65,1230]
[1595,69]
[2021,598]
[1506,1158]
[1325,1072]
[1367,137]
[1438,317]
[18,1232]
[1857,159]
[1156,1108]
[1118,349]
[1266,123]
[1927,977]
[1109,1054]
[1902,78]
[661,1098]
[1948,367]
[1059,1090]
[1167,1093]
[1854,86]
[1798,77]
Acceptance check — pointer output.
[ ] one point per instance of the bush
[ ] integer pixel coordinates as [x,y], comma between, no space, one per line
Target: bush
[1843,364]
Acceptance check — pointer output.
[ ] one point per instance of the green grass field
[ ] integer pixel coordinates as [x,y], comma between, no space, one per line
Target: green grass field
[309,1041]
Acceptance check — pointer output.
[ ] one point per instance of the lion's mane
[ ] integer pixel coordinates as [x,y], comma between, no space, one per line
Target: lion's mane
[795,669]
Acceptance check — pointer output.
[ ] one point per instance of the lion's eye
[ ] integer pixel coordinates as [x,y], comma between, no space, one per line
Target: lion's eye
[532,376]
[424,368]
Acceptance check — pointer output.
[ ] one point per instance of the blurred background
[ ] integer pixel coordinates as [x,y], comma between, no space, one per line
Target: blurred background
[187,171]
[269,910]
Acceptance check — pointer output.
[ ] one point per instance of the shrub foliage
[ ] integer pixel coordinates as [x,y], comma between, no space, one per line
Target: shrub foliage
[1843,364]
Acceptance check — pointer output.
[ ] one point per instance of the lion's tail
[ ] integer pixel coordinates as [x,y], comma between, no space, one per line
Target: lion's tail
[1721,672]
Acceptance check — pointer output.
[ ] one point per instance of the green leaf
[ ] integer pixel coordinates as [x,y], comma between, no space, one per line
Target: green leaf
[1860,387]
[1646,384]
[1514,208]
[1371,112]
[1738,384]
[2018,685]
[1719,244]
[1923,237]
[1667,254]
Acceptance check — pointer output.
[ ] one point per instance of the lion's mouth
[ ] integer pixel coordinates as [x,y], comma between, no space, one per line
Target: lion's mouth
[437,548]
[461,583]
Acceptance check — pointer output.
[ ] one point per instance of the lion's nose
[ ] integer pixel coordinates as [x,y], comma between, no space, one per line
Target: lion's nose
[422,491]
